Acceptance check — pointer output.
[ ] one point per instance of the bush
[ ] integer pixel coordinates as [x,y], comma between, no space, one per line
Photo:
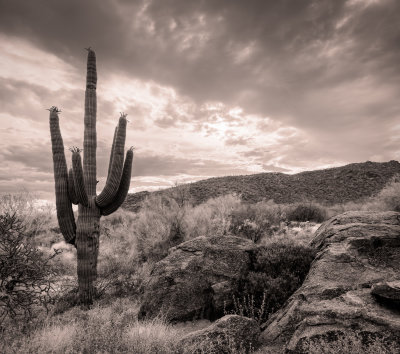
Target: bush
[37,218]
[278,271]
[165,221]
[307,212]
[254,221]
[159,226]
[212,218]
[389,196]
[24,271]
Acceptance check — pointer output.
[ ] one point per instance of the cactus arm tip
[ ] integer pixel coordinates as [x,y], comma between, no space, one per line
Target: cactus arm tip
[123,115]
[54,109]
[75,149]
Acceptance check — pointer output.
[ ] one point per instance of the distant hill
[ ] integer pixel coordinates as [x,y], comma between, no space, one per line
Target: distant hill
[353,182]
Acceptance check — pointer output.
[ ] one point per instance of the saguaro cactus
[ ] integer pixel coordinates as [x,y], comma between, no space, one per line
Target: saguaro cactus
[78,186]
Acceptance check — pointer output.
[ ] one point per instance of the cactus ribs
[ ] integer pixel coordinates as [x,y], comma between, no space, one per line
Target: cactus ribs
[78,185]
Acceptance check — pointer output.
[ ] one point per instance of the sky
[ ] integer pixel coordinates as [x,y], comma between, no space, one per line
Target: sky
[211,87]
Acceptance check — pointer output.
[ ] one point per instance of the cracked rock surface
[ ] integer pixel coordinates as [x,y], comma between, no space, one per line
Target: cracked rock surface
[196,278]
[359,256]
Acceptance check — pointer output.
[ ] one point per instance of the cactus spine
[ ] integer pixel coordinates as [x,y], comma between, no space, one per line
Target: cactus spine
[78,186]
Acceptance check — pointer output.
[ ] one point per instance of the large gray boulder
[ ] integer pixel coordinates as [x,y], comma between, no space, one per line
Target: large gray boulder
[230,334]
[358,252]
[197,278]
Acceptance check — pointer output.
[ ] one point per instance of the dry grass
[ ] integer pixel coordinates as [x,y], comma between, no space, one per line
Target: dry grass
[352,342]
[103,329]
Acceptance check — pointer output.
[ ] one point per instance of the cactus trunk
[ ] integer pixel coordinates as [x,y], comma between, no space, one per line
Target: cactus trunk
[80,186]
[88,223]
[87,244]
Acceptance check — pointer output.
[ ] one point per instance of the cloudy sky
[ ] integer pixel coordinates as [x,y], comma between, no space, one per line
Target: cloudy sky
[211,88]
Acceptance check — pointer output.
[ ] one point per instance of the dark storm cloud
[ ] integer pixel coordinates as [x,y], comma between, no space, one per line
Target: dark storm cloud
[269,56]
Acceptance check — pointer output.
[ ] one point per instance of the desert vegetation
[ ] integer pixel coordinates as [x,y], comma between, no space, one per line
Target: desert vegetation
[131,243]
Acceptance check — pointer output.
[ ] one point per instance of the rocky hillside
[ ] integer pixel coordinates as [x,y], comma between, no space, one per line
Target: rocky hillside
[352,182]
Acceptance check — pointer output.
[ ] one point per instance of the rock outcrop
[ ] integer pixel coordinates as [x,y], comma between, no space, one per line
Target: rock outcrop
[388,293]
[358,253]
[197,278]
[230,334]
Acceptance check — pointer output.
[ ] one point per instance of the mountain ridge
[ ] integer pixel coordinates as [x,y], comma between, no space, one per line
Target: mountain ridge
[350,183]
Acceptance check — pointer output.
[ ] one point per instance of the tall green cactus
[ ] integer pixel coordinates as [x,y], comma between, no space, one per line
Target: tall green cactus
[78,186]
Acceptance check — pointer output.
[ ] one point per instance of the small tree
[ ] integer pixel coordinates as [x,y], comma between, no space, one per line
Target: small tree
[25,273]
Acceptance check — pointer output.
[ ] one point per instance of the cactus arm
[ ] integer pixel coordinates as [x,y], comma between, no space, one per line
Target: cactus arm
[112,152]
[78,177]
[65,214]
[123,186]
[71,188]
[112,184]
[90,138]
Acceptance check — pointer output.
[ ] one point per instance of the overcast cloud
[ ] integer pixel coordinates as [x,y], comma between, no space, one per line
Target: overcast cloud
[211,88]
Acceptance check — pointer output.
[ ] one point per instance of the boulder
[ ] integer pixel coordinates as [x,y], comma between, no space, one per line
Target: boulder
[230,334]
[197,278]
[357,251]
[388,293]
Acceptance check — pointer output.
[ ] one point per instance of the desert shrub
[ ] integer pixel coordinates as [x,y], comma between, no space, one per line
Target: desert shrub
[165,221]
[25,273]
[38,217]
[278,271]
[254,221]
[307,212]
[300,234]
[159,226]
[121,277]
[212,218]
[245,227]
[389,197]
[243,223]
